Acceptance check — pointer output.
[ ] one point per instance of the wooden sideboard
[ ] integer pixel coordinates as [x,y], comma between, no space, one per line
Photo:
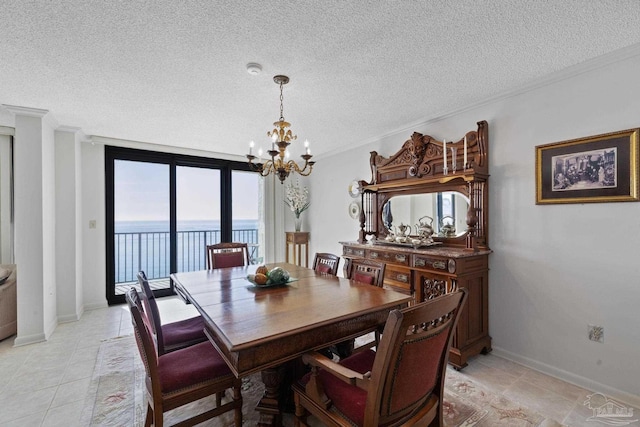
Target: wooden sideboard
[413,192]
[430,272]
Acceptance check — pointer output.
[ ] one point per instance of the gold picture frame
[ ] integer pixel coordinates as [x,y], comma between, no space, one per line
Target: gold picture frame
[600,168]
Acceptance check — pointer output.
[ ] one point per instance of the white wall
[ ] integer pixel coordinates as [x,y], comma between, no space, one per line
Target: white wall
[34,172]
[555,268]
[93,239]
[68,224]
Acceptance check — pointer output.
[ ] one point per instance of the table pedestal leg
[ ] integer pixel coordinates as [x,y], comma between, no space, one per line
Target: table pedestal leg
[270,415]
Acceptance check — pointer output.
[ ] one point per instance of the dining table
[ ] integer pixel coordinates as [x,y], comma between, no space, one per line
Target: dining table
[261,328]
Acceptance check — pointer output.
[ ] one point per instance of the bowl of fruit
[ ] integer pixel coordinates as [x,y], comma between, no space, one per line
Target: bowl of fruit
[265,277]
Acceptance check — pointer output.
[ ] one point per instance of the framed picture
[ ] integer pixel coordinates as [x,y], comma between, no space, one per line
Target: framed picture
[601,168]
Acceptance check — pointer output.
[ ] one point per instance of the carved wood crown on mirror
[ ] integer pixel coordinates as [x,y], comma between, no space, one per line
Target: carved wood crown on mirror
[421,167]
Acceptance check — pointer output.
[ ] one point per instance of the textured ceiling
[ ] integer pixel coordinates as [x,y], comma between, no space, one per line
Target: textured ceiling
[173,72]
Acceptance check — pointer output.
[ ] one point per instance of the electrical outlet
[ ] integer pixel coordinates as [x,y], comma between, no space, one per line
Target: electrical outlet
[596,333]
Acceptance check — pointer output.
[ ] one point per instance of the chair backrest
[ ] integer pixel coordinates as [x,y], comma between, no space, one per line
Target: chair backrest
[222,255]
[326,263]
[151,310]
[366,271]
[144,338]
[411,360]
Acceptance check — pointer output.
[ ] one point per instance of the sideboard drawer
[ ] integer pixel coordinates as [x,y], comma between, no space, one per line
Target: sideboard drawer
[433,263]
[387,257]
[348,250]
[398,278]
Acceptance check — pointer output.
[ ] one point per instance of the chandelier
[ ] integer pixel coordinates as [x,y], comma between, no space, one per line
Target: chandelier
[282,137]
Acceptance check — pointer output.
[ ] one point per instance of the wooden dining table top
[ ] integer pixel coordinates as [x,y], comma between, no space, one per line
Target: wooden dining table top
[260,327]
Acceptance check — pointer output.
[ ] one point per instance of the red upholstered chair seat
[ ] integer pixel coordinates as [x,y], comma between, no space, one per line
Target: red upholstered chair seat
[347,399]
[228,259]
[191,365]
[323,268]
[183,333]
[364,278]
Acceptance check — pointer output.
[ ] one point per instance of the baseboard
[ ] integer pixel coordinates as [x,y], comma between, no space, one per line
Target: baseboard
[95,306]
[29,339]
[620,395]
[68,318]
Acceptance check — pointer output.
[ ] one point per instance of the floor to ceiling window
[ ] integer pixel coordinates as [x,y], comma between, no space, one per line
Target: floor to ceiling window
[164,209]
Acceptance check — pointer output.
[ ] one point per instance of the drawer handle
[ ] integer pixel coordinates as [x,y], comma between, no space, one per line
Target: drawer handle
[403,278]
[401,258]
[439,265]
[420,262]
[374,255]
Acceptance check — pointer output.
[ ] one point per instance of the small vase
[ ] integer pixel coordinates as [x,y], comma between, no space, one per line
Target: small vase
[298,223]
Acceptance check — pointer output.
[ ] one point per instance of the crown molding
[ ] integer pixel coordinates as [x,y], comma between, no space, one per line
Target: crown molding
[6,130]
[45,115]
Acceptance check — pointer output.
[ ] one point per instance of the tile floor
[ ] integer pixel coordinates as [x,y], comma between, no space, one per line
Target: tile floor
[46,384]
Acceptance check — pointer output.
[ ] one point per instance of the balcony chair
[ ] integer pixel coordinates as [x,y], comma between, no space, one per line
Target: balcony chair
[170,336]
[402,383]
[221,255]
[182,376]
[326,263]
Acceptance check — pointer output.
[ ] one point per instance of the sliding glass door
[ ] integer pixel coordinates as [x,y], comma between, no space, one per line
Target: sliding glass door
[141,218]
[164,209]
[198,215]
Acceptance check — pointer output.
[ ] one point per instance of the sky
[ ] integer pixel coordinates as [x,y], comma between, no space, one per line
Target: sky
[142,193]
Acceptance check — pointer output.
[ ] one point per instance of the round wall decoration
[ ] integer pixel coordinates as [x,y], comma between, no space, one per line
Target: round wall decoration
[354,210]
[354,188]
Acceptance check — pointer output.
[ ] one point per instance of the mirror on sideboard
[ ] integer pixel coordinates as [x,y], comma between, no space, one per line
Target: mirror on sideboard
[445,211]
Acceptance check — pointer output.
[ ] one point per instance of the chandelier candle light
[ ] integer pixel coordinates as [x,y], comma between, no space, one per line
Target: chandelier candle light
[281,137]
[298,201]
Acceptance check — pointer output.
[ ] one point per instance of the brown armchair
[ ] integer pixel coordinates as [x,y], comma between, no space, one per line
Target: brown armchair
[326,263]
[222,255]
[402,383]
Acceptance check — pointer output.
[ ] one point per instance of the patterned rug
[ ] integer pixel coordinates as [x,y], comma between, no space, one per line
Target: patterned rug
[118,387]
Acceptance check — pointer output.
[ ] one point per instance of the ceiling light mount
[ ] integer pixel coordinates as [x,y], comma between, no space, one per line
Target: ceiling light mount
[281,137]
[254,68]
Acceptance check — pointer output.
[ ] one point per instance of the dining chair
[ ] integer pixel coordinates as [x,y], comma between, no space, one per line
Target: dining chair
[326,263]
[365,271]
[371,273]
[402,383]
[182,376]
[222,255]
[170,336]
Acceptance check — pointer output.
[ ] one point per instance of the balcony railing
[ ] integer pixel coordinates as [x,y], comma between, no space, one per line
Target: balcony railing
[150,251]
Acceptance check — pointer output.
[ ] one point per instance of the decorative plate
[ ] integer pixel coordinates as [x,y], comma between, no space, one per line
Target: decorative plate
[354,188]
[354,210]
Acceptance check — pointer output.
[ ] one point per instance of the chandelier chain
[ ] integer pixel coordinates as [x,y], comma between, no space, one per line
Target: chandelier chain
[281,104]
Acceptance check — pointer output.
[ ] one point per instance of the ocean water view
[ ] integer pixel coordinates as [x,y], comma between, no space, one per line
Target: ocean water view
[145,245]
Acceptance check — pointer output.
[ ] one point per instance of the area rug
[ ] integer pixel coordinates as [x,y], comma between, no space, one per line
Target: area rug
[117,393]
